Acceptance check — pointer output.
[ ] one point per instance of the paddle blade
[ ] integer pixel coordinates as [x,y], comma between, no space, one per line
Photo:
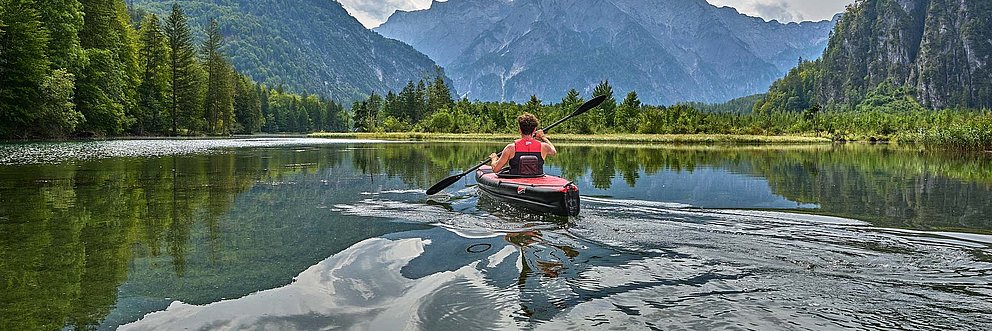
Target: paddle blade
[443,184]
[593,103]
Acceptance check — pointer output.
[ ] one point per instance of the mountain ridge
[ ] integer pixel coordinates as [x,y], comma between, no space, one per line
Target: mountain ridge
[508,50]
[308,46]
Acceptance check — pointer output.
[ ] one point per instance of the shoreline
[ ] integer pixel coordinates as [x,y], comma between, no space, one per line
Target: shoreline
[612,138]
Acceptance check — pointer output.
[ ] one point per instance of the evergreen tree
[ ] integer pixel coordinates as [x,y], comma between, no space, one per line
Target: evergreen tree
[409,103]
[184,90]
[106,89]
[247,106]
[604,114]
[420,102]
[218,105]
[438,94]
[23,65]
[373,107]
[153,93]
[534,105]
[392,106]
[627,113]
[569,103]
[63,19]
[361,116]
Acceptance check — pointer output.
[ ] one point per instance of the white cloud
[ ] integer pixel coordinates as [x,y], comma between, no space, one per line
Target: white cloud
[787,10]
[373,12]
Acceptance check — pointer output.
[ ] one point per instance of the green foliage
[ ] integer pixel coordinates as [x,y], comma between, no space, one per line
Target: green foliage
[185,103]
[247,106]
[628,113]
[218,103]
[795,92]
[740,105]
[107,86]
[23,65]
[308,47]
[57,116]
[604,114]
[153,93]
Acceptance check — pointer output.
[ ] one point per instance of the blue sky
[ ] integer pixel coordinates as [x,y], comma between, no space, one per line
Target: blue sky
[373,12]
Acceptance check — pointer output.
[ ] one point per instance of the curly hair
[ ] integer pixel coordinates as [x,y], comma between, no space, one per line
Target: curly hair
[528,123]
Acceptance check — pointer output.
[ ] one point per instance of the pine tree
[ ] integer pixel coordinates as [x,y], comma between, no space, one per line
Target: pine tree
[106,89]
[438,94]
[604,114]
[534,105]
[153,93]
[420,102]
[628,113]
[247,105]
[569,103]
[23,65]
[374,107]
[409,102]
[183,77]
[218,97]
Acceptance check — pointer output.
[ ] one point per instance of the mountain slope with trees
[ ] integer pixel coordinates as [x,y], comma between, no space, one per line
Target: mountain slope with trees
[306,46]
[80,68]
[669,50]
[899,55]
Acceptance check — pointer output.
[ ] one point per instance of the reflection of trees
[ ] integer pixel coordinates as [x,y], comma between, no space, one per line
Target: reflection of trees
[889,186]
[68,232]
[420,165]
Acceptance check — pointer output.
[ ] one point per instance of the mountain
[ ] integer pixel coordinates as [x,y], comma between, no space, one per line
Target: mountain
[311,46]
[938,51]
[667,50]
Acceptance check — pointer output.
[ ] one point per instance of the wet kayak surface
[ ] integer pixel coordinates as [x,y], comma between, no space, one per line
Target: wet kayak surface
[314,234]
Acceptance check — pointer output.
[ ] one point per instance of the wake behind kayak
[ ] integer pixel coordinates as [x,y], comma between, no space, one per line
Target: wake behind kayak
[546,194]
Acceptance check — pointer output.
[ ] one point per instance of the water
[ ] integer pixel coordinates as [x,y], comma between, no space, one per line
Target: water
[318,234]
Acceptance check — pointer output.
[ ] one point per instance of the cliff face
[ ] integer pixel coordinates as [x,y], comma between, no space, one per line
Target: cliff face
[940,48]
[667,50]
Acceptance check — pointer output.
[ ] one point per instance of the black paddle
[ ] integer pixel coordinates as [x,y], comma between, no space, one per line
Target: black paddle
[595,102]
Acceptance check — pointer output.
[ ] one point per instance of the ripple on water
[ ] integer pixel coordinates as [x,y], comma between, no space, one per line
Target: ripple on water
[56,152]
[641,266]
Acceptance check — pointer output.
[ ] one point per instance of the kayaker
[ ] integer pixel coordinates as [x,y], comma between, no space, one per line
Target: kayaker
[525,155]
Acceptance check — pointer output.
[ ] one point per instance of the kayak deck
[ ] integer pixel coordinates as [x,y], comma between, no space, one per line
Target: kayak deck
[548,194]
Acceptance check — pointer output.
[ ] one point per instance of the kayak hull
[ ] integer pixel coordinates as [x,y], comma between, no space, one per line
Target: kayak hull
[548,194]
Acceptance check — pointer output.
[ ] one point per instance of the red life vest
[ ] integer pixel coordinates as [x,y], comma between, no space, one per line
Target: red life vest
[527,158]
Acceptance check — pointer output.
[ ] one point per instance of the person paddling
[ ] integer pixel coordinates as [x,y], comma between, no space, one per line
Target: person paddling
[525,155]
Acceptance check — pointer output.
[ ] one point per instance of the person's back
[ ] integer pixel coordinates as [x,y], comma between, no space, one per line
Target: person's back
[526,155]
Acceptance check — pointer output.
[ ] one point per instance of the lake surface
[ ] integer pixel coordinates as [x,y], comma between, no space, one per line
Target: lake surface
[318,234]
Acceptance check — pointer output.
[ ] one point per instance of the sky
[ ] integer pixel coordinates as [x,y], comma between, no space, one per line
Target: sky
[373,12]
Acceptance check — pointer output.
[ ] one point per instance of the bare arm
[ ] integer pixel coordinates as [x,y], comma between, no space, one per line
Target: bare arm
[499,162]
[547,149]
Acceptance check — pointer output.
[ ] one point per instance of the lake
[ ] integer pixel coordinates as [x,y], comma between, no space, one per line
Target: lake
[284,233]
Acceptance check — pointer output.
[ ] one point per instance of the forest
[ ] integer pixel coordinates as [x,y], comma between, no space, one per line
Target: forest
[111,75]
[887,113]
[129,72]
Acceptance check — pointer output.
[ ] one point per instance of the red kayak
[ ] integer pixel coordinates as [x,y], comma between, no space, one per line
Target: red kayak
[546,194]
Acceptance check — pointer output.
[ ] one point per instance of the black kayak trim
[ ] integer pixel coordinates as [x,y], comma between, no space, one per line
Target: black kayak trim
[545,195]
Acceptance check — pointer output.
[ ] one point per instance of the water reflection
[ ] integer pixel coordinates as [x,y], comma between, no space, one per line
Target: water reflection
[102,240]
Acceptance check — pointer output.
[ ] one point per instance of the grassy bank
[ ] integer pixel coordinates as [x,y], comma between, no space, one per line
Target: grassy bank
[611,138]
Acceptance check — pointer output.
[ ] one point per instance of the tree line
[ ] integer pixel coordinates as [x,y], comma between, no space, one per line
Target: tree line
[83,68]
